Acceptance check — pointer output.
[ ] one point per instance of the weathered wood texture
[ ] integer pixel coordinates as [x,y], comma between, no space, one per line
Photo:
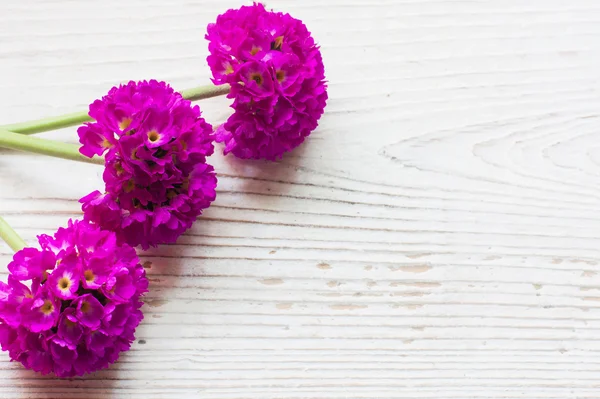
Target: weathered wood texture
[437,237]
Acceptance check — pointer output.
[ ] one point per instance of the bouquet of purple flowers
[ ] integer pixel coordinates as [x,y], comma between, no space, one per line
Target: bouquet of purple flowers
[72,306]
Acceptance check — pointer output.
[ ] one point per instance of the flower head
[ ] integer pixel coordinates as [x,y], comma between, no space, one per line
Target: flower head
[64,282]
[277,82]
[62,322]
[157,181]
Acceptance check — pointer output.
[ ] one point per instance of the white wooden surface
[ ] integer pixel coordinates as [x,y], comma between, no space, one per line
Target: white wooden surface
[437,237]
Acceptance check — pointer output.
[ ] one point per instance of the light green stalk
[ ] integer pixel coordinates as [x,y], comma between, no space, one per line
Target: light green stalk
[10,236]
[38,145]
[78,118]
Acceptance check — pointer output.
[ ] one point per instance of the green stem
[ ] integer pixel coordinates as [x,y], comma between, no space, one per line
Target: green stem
[10,236]
[47,124]
[78,118]
[38,145]
[202,92]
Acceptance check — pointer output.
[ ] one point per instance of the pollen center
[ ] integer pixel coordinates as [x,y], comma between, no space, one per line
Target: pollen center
[119,168]
[280,75]
[89,276]
[85,307]
[186,183]
[276,45]
[153,136]
[124,124]
[106,143]
[47,308]
[129,186]
[255,50]
[171,194]
[257,77]
[64,283]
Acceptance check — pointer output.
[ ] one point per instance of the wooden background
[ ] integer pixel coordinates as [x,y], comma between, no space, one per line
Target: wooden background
[437,237]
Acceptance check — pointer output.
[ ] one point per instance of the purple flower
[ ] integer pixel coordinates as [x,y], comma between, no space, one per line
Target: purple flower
[40,313]
[12,296]
[69,331]
[95,273]
[31,263]
[277,82]
[157,181]
[120,285]
[64,282]
[89,312]
[81,311]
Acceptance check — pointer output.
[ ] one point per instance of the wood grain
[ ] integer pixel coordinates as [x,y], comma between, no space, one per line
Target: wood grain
[437,236]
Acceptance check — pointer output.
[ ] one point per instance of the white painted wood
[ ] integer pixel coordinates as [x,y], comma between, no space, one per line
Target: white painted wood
[437,237]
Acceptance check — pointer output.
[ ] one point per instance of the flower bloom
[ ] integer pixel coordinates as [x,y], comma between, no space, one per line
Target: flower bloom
[72,307]
[157,181]
[277,82]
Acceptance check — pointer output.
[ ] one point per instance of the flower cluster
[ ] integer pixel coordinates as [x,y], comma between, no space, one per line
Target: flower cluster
[276,75]
[157,181]
[73,306]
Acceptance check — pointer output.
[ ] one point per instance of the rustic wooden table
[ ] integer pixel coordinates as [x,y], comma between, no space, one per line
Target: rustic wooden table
[437,236]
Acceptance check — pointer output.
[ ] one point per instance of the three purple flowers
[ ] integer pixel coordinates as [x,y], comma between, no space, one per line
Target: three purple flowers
[73,305]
